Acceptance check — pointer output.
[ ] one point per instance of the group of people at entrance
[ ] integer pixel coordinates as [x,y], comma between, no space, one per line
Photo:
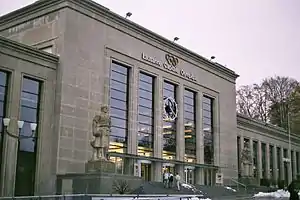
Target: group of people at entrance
[168,180]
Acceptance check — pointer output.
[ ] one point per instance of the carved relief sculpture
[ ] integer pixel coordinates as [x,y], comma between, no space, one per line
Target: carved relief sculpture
[101,132]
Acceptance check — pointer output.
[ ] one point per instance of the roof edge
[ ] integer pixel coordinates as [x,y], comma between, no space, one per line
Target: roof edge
[19,47]
[101,10]
[263,125]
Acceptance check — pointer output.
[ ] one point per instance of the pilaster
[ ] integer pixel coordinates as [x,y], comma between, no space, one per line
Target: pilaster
[199,131]
[180,142]
[133,111]
[294,165]
[158,122]
[252,155]
[290,167]
[282,176]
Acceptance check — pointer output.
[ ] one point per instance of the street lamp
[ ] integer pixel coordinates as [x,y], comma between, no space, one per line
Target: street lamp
[33,126]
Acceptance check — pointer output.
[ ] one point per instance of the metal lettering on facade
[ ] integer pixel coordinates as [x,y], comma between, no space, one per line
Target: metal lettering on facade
[170,64]
[31,24]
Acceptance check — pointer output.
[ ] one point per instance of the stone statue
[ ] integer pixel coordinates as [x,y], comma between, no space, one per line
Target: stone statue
[101,132]
[246,160]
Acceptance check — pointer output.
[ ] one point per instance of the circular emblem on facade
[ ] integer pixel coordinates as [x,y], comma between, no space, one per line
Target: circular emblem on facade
[170,109]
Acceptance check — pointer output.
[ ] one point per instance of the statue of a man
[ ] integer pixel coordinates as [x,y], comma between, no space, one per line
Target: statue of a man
[246,159]
[101,132]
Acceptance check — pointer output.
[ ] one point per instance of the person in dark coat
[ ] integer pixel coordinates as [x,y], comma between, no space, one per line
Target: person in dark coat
[293,190]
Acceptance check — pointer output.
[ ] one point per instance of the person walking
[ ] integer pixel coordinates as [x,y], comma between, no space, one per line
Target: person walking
[171,178]
[166,178]
[177,178]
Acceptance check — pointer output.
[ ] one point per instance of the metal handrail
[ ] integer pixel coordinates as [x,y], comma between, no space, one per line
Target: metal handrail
[238,183]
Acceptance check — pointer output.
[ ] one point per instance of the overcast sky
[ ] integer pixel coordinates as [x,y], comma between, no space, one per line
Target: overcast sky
[255,38]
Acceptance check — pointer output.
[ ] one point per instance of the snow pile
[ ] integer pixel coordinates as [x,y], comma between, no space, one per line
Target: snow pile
[186,186]
[229,188]
[277,194]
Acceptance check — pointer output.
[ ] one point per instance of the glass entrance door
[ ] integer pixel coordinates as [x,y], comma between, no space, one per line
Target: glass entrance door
[169,169]
[189,176]
[146,171]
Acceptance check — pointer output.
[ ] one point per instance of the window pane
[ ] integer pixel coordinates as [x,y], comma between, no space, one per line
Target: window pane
[119,132]
[118,113]
[31,86]
[122,123]
[145,102]
[145,94]
[145,111]
[146,78]
[119,77]
[145,119]
[119,68]
[145,128]
[28,114]
[30,100]
[118,85]
[2,93]
[118,94]
[3,77]
[118,104]
[146,86]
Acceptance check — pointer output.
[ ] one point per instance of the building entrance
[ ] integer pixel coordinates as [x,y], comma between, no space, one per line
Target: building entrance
[189,173]
[168,167]
[146,171]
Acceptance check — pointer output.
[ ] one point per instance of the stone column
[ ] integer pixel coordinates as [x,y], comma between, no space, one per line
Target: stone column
[259,160]
[282,176]
[290,167]
[252,155]
[267,161]
[294,165]
[199,176]
[133,111]
[275,167]
[10,149]
[180,141]
[158,121]
[156,171]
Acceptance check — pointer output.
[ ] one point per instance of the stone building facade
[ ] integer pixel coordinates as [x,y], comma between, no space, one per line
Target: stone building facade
[171,109]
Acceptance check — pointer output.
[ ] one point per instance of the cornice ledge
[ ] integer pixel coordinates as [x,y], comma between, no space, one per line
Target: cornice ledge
[28,50]
[27,10]
[103,11]
[259,125]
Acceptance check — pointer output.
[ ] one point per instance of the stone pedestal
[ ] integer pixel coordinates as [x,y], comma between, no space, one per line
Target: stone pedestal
[102,166]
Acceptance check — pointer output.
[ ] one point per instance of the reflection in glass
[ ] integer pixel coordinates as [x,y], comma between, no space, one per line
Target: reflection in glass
[169,127]
[190,126]
[118,107]
[119,163]
[26,161]
[207,113]
[145,116]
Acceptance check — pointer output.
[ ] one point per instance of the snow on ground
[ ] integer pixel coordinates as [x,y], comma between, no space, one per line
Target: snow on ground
[276,194]
[150,198]
[186,186]
[229,188]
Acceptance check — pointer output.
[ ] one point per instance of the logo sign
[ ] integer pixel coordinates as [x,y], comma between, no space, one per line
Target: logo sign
[170,109]
[170,64]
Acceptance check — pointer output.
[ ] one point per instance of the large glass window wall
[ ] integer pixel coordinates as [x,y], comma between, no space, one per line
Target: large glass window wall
[190,125]
[119,90]
[27,149]
[145,115]
[169,126]
[207,105]
[3,95]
